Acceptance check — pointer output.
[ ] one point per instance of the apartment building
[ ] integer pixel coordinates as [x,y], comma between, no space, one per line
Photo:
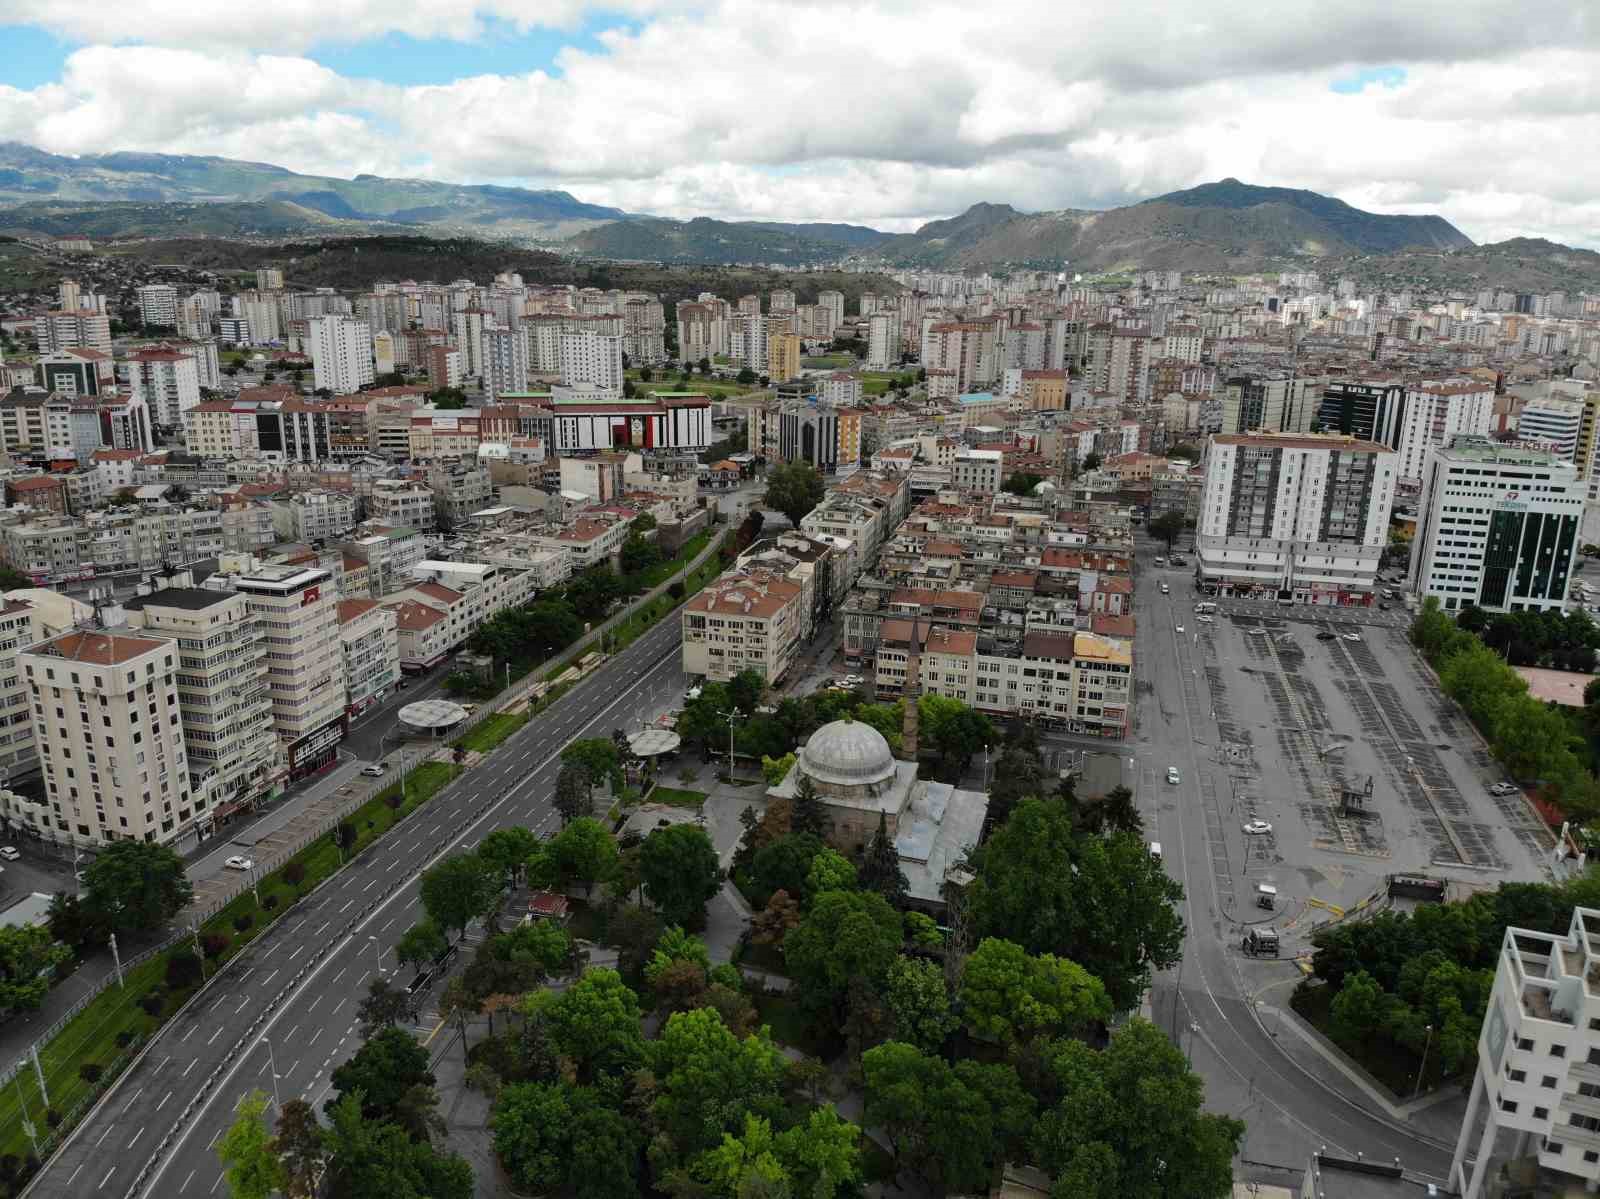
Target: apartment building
[978,471]
[341,353]
[1497,527]
[76,372]
[783,357]
[20,627]
[1552,424]
[401,502]
[296,608]
[1538,1073]
[388,554]
[109,729]
[125,423]
[747,619]
[1436,412]
[1303,518]
[75,329]
[313,516]
[49,427]
[1278,402]
[222,681]
[968,348]
[592,360]
[748,344]
[167,381]
[369,642]
[158,305]
[469,593]
[421,633]
[702,332]
[505,361]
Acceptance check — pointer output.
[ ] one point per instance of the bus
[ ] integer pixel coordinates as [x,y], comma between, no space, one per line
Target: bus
[1417,886]
[1204,608]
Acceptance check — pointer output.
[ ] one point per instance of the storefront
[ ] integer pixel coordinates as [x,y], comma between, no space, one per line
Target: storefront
[317,749]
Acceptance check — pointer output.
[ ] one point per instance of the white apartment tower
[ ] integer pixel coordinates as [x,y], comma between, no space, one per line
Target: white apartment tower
[1539,1061]
[297,609]
[109,728]
[167,382]
[1551,423]
[1497,527]
[750,334]
[593,360]
[341,353]
[1297,517]
[158,305]
[233,757]
[1436,412]
[883,341]
[505,361]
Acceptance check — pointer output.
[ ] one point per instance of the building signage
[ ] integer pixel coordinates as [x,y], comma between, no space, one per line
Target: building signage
[312,744]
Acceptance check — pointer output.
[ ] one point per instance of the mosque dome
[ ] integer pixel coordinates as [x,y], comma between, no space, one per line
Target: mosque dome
[847,753]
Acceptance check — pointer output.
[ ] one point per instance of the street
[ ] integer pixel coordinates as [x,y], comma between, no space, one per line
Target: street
[291,997]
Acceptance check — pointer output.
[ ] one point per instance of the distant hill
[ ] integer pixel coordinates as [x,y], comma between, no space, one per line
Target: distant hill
[29,174]
[655,239]
[1520,264]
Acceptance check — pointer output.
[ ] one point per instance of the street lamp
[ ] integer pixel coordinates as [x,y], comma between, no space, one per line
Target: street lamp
[1417,1090]
[378,948]
[272,1065]
[732,716]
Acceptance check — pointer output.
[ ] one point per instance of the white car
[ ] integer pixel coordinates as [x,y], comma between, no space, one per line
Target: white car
[374,771]
[1257,827]
[1205,620]
[1172,775]
[853,680]
[239,863]
[1352,636]
[1180,629]
[9,853]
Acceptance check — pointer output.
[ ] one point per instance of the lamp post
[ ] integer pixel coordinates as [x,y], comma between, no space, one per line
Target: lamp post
[272,1065]
[732,716]
[378,949]
[1417,1090]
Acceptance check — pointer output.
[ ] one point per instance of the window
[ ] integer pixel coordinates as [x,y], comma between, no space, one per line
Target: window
[1558,1050]
[1540,1113]
[1548,1082]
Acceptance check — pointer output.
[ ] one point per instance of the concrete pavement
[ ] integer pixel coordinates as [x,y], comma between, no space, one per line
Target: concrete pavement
[295,990]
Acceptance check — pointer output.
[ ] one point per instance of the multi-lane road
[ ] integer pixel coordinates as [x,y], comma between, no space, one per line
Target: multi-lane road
[282,1016]
[1289,1110]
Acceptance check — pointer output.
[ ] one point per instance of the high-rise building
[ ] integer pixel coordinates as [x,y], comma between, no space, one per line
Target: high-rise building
[109,728]
[833,301]
[750,336]
[644,328]
[1538,1069]
[783,357]
[341,353]
[1269,403]
[296,608]
[158,305]
[1370,411]
[370,646]
[883,342]
[1297,517]
[1553,424]
[780,301]
[269,278]
[702,332]
[233,757]
[78,329]
[592,360]
[20,627]
[167,381]
[1497,527]
[505,361]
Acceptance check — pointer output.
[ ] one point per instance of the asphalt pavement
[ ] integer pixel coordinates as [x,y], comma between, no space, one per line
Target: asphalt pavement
[1208,1005]
[282,1017]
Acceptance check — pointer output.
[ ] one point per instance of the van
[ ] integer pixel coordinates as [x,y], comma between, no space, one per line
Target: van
[1155,850]
[1203,608]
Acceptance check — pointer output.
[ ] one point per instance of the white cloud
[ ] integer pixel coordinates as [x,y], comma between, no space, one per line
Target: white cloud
[886,114]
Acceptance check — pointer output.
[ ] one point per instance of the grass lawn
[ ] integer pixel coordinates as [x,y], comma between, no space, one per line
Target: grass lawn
[829,361]
[492,731]
[875,383]
[678,797]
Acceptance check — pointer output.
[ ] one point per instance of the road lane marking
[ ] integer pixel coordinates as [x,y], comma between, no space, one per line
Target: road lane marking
[163,1102]
[187,1068]
[185,1185]
[136,1137]
[268,980]
[107,1178]
[74,1173]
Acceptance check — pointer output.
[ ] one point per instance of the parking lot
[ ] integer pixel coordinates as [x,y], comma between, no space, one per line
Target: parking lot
[1344,743]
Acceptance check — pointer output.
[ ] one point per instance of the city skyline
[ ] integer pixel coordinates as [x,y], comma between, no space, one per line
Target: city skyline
[887,117]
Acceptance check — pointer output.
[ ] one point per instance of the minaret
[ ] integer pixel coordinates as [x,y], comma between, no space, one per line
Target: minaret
[909,693]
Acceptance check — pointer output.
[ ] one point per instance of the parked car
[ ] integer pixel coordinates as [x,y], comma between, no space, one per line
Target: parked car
[1352,636]
[1327,636]
[239,863]
[1172,775]
[1180,629]
[9,853]
[1205,620]
[1504,788]
[1257,827]
[374,771]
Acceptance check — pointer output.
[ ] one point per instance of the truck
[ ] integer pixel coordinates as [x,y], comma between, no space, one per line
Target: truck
[1261,943]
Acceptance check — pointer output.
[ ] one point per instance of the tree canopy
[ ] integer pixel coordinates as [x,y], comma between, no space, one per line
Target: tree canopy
[794,489]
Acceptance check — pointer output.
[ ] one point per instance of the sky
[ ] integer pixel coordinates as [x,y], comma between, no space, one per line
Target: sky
[887,113]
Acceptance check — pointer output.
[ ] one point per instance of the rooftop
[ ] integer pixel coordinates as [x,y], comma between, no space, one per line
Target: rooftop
[98,649]
[191,599]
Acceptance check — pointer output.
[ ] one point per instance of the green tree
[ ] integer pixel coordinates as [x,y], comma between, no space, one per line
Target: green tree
[530,1125]
[919,1002]
[1167,527]
[574,796]
[746,376]
[29,958]
[1102,901]
[783,865]
[707,1079]
[681,873]
[301,1150]
[1131,1116]
[384,1007]
[584,852]
[457,890]
[775,770]
[374,1159]
[448,397]
[880,868]
[822,1155]
[676,946]
[249,1159]
[136,885]
[1091,462]
[73,922]
[847,936]
[603,1162]
[746,689]
[420,944]
[807,814]
[598,758]
[794,489]
[383,1070]
[507,850]
[744,1165]
[1021,483]
[594,1023]
[1007,995]
[1359,1009]
[955,729]
[830,871]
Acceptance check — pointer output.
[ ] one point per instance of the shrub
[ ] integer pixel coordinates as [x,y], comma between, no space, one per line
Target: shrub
[269,902]
[294,873]
[152,1002]
[52,1118]
[90,1072]
[215,945]
[183,969]
[675,590]
[243,921]
[392,801]
[125,1038]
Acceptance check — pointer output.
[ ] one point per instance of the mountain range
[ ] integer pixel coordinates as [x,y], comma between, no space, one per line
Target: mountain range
[1224,227]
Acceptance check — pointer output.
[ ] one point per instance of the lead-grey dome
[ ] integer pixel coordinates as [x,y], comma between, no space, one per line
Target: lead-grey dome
[847,753]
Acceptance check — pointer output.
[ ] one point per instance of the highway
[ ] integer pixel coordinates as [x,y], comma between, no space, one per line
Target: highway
[1290,1111]
[291,997]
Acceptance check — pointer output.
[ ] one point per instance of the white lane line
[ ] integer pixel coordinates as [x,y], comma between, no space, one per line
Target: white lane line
[107,1178]
[340,975]
[323,929]
[314,1037]
[346,907]
[129,1104]
[187,1068]
[181,1189]
[163,1102]
[215,1185]
[136,1137]
[298,950]
[342,1002]
[74,1173]
[266,981]
[314,1003]
[103,1136]
[243,1002]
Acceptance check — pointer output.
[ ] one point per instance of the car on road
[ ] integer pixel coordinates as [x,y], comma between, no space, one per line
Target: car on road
[374,771]
[1165,590]
[1257,827]
[1352,636]
[1503,788]
[1205,620]
[236,862]
[9,853]
[1327,636]
[853,680]
[1172,775]
[1180,628]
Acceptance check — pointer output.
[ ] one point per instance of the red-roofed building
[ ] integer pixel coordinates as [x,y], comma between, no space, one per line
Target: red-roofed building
[370,641]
